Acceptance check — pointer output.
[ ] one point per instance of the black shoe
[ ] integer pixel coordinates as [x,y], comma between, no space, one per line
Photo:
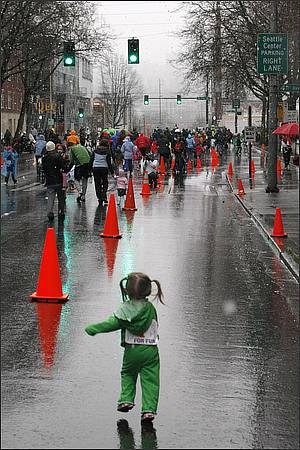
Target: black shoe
[61,217]
[50,217]
[105,201]
[78,199]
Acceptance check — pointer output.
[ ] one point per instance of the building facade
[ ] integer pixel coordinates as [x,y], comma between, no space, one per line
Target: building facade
[11,102]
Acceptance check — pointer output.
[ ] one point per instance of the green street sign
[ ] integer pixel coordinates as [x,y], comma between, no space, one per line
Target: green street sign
[290,88]
[236,103]
[272,53]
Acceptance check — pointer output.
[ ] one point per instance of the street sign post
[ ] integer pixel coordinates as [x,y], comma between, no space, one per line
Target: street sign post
[250,134]
[272,53]
[290,88]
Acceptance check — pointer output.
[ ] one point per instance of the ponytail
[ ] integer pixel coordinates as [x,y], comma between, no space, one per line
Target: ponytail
[123,290]
[159,294]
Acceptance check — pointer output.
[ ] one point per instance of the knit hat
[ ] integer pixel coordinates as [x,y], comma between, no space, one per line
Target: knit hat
[73,139]
[50,146]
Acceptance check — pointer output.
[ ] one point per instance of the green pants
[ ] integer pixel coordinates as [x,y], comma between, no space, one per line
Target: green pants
[143,360]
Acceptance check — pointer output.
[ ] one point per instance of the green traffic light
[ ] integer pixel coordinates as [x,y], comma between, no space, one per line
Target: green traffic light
[133,58]
[69,61]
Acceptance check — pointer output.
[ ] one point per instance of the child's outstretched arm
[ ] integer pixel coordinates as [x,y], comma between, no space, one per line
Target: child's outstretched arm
[110,324]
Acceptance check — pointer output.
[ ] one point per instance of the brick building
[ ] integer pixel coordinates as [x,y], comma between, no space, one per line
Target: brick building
[11,102]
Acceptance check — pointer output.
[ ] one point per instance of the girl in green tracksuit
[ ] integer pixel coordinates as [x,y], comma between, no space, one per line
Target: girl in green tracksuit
[137,320]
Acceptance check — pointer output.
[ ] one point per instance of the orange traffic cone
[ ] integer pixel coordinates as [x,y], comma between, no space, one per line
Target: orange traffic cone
[189,165]
[278,230]
[130,202]
[198,163]
[252,166]
[173,164]
[111,227]
[240,187]
[162,169]
[49,289]
[48,320]
[146,186]
[278,165]
[230,170]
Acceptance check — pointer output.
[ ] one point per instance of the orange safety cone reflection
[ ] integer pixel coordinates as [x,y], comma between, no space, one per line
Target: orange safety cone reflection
[252,166]
[173,164]
[198,163]
[49,289]
[161,184]
[111,227]
[48,321]
[129,204]
[189,165]
[240,187]
[110,246]
[278,230]
[146,186]
[230,169]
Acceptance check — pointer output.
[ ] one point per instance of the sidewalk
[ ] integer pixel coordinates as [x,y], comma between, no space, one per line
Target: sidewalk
[261,206]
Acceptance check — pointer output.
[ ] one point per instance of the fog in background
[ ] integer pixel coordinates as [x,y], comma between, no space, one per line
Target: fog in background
[156,25]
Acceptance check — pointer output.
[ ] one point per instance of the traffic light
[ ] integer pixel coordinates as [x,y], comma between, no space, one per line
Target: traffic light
[146,99]
[69,54]
[133,51]
[80,113]
[178,101]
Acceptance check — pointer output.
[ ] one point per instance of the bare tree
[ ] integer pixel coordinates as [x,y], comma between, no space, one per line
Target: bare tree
[32,40]
[120,88]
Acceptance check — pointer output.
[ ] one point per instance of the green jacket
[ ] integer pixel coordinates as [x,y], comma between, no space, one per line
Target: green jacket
[134,315]
[79,155]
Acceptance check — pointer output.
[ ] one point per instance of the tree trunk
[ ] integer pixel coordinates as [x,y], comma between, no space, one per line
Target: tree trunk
[22,115]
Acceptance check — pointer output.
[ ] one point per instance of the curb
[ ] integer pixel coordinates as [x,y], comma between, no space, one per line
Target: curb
[282,255]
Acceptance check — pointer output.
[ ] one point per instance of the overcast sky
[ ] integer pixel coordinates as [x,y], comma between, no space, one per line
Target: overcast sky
[153,23]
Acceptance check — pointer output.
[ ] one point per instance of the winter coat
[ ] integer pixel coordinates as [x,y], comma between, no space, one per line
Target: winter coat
[40,145]
[163,146]
[101,158]
[190,142]
[122,182]
[53,166]
[133,316]
[127,148]
[142,142]
[79,155]
[9,162]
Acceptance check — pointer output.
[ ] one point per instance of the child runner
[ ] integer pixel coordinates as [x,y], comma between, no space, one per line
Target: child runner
[122,184]
[137,319]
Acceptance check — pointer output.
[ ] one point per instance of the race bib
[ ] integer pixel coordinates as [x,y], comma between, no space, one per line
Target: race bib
[150,337]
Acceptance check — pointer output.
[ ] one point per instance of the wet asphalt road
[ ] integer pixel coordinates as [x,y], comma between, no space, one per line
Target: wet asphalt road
[228,333]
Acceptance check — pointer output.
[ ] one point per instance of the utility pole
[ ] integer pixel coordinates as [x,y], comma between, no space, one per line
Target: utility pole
[159,95]
[273,99]
[217,65]
[207,93]
[250,144]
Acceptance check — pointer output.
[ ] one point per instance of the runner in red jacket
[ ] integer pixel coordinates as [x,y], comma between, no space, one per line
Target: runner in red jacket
[143,144]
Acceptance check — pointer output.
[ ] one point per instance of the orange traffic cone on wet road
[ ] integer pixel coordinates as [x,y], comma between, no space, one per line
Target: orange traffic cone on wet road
[279,166]
[198,163]
[146,186]
[162,169]
[230,170]
[278,230]
[111,227]
[49,289]
[240,187]
[129,204]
